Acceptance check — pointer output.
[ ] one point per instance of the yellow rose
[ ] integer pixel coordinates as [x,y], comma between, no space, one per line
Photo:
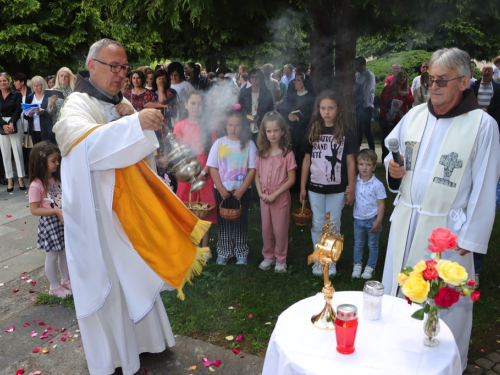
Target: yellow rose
[420,267]
[402,279]
[416,288]
[451,272]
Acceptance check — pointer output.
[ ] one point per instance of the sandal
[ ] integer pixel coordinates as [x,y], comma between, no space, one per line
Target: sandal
[59,291]
[67,285]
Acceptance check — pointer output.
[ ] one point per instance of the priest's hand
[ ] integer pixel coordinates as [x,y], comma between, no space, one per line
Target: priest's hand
[124,109]
[462,251]
[396,170]
[151,118]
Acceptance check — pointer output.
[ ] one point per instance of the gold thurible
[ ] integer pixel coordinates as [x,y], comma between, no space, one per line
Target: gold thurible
[328,249]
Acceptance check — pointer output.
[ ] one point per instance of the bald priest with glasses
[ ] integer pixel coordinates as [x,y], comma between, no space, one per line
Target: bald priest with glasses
[449,148]
[127,236]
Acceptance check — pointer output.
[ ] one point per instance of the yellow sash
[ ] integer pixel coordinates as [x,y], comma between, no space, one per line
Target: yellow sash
[159,226]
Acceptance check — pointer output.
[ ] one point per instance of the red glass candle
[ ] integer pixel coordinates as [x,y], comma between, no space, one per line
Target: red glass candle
[346,326]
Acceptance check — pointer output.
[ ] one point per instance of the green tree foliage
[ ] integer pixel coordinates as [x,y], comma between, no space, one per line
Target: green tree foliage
[410,62]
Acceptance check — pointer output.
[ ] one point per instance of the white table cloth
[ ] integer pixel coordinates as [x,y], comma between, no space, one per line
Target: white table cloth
[391,345]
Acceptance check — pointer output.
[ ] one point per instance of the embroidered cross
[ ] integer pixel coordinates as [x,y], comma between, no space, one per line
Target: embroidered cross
[449,162]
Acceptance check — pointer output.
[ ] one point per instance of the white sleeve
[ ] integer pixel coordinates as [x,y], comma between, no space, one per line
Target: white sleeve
[119,144]
[212,160]
[380,190]
[398,133]
[252,155]
[480,211]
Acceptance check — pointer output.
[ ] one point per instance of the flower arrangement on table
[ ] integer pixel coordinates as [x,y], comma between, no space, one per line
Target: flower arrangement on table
[437,283]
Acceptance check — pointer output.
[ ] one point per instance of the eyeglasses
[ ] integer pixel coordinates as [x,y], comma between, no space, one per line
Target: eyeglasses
[254,77]
[116,68]
[442,82]
[49,77]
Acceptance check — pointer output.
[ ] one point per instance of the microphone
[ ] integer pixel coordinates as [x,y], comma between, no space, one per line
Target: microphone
[394,148]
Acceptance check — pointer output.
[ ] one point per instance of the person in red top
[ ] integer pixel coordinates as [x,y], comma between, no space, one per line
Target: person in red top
[395,101]
[197,134]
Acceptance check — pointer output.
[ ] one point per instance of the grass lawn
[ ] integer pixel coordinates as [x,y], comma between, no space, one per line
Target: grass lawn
[222,298]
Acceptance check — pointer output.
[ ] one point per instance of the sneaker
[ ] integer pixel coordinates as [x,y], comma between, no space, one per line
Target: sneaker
[318,269]
[476,279]
[266,264]
[356,271]
[241,261]
[67,285]
[367,273]
[221,261]
[59,291]
[280,267]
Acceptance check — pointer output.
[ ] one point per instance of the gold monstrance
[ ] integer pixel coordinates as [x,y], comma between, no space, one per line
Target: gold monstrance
[328,249]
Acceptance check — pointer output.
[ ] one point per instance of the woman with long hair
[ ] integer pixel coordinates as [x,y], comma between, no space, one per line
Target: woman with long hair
[175,72]
[422,93]
[65,82]
[395,101]
[138,95]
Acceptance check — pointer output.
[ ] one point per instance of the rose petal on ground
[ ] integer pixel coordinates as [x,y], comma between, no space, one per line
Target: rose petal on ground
[204,359]
[36,350]
[33,333]
[26,324]
[35,320]
[79,345]
[41,323]
[51,342]
[28,281]
[211,369]
[75,336]
[193,367]
[231,308]
[31,291]
[229,338]
[1,284]
[44,337]
[63,329]
[235,351]
[63,338]
[49,329]
[55,346]
[207,363]
[21,230]
[242,356]
[268,323]
[24,278]
[70,336]
[45,350]
[11,329]
[250,316]
[36,373]
[51,334]
[217,362]
[33,283]
[15,291]
[239,338]
[8,216]
[145,371]
[57,329]
[32,299]
[20,371]
[77,330]
[24,272]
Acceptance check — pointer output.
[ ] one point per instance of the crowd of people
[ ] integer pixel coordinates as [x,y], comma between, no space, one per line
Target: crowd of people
[263,127]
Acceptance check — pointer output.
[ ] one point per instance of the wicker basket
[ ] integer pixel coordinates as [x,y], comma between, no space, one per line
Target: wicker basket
[200,213]
[302,215]
[230,214]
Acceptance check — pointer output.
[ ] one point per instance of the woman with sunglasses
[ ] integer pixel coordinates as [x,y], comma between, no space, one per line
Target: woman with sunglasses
[51,81]
[395,101]
[256,99]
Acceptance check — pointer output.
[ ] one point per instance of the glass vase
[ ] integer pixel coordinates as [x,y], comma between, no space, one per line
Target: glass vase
[431,325]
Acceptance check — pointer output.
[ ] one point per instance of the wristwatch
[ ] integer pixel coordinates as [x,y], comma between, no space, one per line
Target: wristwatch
[205,174]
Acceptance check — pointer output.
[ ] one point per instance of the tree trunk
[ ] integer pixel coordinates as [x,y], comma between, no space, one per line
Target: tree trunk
[345,53]
[211,62]
[321,46]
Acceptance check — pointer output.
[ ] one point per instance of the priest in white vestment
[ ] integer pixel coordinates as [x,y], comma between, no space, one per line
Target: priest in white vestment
[450,150]
[117,294]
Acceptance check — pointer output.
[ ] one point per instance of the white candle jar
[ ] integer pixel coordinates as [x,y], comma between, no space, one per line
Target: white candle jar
[373,292]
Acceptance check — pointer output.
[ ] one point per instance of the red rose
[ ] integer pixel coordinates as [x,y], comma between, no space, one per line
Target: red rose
[430,273]
[441,239]
[446,297]
[474,296]
[471,283]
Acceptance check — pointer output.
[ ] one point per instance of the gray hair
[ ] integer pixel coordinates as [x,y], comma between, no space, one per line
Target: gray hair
[98,46]
[452,58]
[37,80]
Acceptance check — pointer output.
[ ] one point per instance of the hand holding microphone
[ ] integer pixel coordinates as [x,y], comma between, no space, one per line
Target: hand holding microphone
[396,166]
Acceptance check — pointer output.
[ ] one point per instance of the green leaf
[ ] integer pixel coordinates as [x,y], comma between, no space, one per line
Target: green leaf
[419,314]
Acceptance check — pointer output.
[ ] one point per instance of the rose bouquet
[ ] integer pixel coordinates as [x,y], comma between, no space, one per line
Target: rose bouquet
[438,283]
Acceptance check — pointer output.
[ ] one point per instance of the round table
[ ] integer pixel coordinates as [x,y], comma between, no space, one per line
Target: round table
[390,345]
